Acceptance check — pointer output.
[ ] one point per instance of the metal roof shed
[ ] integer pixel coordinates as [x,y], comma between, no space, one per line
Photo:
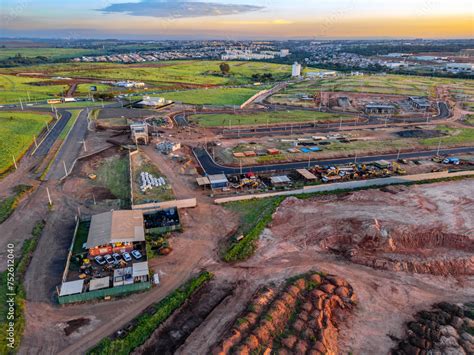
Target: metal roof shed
[71,287]
[97,284]
[278,180]
[140,269]
[116,227]
[218,181]
[306,174]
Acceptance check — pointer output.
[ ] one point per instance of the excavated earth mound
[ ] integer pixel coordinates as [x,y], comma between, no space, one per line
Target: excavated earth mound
[425,229]
[301,318]
[445,329]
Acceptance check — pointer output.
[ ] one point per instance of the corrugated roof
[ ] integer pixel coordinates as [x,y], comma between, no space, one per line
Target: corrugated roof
[280,179]
[140,269]
[218,179]
[203,181]
[97,284]
[306,174]
[71,287]
[116,227]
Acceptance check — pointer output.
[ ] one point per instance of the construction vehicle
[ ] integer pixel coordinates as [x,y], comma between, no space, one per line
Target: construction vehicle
[397,169]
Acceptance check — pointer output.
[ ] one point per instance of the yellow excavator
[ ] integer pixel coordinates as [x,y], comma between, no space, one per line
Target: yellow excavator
[397,169]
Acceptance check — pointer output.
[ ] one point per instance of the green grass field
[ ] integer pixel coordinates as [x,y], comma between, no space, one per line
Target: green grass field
[13,88]
[220,96]
[113,174]
[455,136]
[216,120]
[16,134]
[179,72]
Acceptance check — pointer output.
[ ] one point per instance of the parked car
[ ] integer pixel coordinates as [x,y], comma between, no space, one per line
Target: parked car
[108,259]
[126,256]
[116,257]
[99,260]
[136,254]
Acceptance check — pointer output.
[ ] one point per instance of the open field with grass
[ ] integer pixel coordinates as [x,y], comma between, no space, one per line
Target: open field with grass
[16,134]
[220,96]
[375,84]
[113,174]
[254,216]
[454,136]
[181,72]
[85,89]
[52,53]
[13,88]
[276,117]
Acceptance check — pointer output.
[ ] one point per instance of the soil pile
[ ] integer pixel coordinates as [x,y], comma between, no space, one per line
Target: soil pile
[301,318]
[445,329]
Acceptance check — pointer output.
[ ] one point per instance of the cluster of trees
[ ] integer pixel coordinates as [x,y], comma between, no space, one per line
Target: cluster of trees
[265,77]
[19,60]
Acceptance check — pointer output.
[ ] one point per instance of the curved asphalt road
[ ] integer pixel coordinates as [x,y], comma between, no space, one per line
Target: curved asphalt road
[210,167]
[318,127]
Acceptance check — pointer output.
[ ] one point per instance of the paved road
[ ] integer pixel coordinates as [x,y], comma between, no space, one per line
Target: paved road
[307,128]
[49,140]
[71,148]
[211,167]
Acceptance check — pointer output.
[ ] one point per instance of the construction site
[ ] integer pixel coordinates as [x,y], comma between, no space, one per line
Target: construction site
[305,220]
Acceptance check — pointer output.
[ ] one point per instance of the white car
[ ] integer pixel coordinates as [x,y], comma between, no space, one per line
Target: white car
[99,260]
[126,256]
[136,254]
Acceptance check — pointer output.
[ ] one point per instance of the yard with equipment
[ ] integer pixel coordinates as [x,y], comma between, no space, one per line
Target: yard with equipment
[263,118]
[17,132]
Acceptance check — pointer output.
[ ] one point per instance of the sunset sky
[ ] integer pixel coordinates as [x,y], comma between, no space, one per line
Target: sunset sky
[235,19]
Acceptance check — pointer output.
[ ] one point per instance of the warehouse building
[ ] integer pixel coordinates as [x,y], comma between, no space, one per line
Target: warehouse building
[380,108]
[420,103]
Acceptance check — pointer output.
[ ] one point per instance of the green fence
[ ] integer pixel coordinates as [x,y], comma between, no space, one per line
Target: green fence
[114,291]
[163,230]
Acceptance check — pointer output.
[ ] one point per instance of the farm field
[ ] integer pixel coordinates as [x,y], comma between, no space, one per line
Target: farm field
[218,96]
[180,72]
[16,134]
[13,88]
[377,84]
[216,120]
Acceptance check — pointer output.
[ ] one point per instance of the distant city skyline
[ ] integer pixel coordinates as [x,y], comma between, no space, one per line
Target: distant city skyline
[236,19]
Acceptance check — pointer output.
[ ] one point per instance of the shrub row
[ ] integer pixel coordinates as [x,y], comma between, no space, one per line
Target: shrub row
[148,321]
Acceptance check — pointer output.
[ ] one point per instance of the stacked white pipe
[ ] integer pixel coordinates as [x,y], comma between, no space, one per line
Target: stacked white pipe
[148,181]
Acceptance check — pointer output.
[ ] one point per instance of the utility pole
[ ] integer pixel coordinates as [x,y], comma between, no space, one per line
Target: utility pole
[355,158]
[309,161]
[439,148]
[65,169]
[49,197]
[398,155]
[84,144]
[21,104]
[340,124]
[56,112]
[47,126]
[36,143]
[14,162]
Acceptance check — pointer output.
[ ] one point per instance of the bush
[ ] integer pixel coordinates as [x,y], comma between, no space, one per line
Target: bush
[8,205]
